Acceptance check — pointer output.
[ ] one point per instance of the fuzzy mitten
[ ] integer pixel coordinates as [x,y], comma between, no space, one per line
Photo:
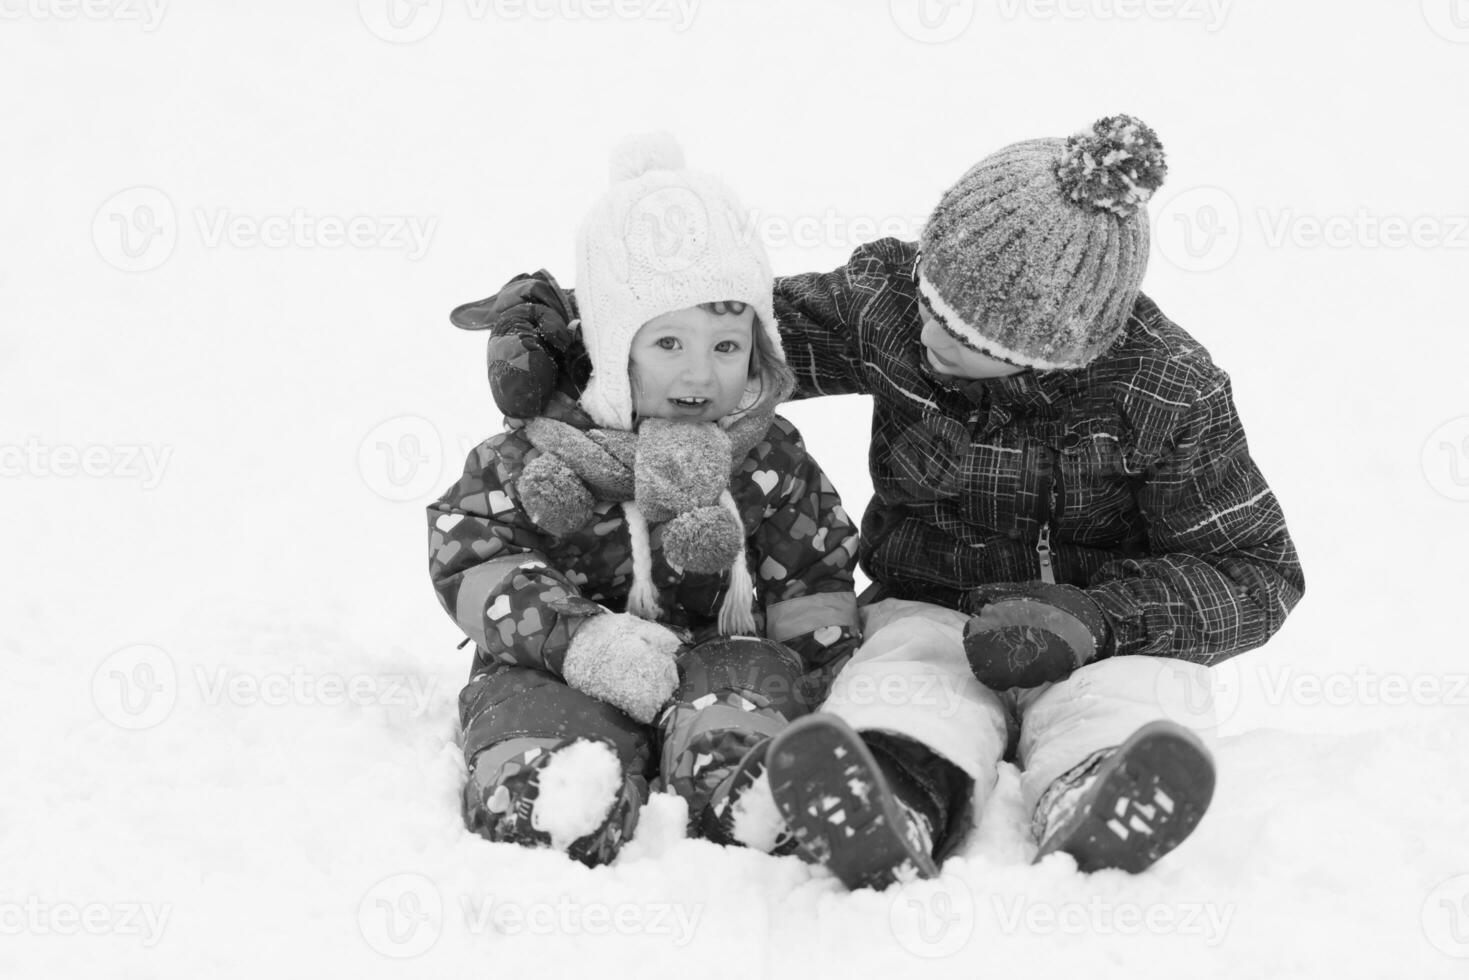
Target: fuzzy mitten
[624,661]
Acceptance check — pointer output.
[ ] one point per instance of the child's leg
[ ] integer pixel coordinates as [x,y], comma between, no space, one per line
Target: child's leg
[733,694]
[881,781]
[911,679]
[1109,777]
[523,783]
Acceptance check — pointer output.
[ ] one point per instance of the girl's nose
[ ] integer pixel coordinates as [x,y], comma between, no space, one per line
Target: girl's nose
[698,367]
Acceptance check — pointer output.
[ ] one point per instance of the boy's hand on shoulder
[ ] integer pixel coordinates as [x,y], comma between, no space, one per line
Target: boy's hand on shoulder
[1028,634]
[625,661]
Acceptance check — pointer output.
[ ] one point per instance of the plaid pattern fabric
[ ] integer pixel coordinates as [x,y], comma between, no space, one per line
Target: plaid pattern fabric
[1137,465]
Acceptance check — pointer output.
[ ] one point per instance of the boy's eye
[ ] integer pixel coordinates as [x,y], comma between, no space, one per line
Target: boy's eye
[666,343]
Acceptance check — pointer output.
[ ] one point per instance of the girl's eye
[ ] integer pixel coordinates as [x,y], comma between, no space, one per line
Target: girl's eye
[666,343]
[728,346]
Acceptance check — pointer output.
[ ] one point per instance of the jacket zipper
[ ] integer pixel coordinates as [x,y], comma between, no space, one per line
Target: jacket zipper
[1043,542]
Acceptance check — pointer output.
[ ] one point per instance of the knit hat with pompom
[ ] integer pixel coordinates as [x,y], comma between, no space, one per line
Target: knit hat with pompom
[1036,255]
[663,238]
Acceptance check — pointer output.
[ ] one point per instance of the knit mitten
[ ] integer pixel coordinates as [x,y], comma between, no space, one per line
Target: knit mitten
[624,661]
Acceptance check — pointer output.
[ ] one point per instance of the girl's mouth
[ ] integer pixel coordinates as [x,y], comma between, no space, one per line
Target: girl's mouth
[689,402]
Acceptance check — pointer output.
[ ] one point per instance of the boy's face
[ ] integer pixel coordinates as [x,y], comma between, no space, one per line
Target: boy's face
[691,365]
[947,356]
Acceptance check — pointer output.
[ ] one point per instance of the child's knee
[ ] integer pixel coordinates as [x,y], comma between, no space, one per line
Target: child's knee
[766,673]
[518,702]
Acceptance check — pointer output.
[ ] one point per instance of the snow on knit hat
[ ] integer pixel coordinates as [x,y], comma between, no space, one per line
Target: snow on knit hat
[663,238]
[1036,255]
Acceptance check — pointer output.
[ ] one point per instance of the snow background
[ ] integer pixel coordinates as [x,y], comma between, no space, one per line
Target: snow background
[229,712]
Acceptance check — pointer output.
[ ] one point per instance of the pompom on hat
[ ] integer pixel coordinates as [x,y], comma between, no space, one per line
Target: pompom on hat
[663,238]
[1036,255]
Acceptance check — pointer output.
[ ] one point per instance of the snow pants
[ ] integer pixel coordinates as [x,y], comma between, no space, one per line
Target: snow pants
[733,692]
[911,678]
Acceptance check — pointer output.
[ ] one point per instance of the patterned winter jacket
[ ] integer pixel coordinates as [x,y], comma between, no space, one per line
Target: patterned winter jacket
[1130,478]
[518,592]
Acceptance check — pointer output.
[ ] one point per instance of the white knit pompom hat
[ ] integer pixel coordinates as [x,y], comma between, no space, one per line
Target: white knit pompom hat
[663,238]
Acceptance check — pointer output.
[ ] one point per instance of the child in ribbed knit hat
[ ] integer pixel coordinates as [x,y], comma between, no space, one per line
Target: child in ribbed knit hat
[1066,527]
[657,563]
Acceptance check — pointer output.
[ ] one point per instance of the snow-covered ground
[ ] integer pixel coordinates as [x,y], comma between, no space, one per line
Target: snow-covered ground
[228,389]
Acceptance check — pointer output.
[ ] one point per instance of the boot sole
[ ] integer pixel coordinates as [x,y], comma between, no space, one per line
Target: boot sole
[839,806]
[1146,800]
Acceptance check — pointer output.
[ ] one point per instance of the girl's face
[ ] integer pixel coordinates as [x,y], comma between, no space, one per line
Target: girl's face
[691,365]
[947,356]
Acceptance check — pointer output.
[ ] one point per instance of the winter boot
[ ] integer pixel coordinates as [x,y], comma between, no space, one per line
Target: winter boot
[1125,807]
[734,693]
[742,810]
[842,807]
[572,796]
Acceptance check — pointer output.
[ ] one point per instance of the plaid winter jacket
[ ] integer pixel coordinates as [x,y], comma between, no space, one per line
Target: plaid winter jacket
[518,592]
[1130,478]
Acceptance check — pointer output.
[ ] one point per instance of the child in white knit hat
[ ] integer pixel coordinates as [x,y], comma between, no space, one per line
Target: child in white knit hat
[657,564]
